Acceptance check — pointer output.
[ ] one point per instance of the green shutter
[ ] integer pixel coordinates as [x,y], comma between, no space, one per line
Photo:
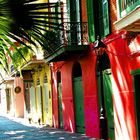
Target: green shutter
[106,17]
[68,9]
[56,10]
[90,20]
[107,85]
[72,11]
[78,11]
[99,17]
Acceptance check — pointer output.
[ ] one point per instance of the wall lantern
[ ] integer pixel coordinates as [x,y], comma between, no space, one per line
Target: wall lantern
[99,47]
[17,89]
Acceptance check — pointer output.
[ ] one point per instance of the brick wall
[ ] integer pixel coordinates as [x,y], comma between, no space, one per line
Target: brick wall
[113,13]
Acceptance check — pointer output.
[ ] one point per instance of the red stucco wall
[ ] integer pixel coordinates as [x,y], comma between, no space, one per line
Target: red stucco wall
[90,95]
[19,98]
[122,84]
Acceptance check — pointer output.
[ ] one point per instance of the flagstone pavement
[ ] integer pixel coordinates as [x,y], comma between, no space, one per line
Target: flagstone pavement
[19,129]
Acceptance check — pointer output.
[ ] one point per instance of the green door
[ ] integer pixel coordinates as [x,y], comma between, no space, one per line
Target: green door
[137,104]
[105,103]
[79,104]
[107,87]
[60,109]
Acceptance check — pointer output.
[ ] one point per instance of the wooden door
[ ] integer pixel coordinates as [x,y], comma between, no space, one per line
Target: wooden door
[79,104]
[107,86]
[60,108]
[137,104]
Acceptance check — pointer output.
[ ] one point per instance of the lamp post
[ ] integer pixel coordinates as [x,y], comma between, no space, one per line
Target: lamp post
[99,48]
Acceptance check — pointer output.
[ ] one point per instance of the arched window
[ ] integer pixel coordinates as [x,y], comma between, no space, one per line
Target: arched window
[77,71]
[58,77]
[103,62]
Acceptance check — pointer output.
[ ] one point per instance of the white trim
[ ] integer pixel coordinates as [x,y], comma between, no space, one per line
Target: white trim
[32,63]
[129,20]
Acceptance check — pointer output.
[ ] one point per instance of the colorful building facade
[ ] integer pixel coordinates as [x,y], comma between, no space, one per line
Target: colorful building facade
[98,94]
[80,88]
[41,96]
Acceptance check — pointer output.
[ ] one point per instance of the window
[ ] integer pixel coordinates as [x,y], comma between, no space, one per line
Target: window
[98,18]
[74,10]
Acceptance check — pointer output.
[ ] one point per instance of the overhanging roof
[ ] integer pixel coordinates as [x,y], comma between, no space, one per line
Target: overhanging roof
[7,79]
[29,65]
[131,22]
[32,64]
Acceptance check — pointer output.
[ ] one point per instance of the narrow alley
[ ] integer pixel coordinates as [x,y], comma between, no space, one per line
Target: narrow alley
[11,129]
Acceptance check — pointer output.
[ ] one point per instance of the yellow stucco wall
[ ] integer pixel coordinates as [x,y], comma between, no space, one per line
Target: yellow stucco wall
[46,116]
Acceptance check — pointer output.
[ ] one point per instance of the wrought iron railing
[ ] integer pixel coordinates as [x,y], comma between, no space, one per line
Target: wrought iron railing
[70,33]
[75,33]
[127,6]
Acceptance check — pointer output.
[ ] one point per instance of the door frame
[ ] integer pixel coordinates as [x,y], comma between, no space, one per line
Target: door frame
[59,96]
[136,74]
[102,67]
[77,73]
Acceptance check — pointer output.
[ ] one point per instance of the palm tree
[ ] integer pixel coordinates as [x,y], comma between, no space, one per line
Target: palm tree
[26,21]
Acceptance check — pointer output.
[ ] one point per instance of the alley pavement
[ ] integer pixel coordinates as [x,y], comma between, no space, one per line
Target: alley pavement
[18,129]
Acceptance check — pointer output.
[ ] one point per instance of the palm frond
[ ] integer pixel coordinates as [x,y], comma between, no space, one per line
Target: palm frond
[18,17]
[3,60]
[25,21]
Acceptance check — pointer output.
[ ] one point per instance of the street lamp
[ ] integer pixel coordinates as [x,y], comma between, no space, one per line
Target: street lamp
[99,48]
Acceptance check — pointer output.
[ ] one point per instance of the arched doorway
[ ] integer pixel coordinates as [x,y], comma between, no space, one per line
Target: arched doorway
[46,100]
[105,97]
[40,102]
[136,80]
[8,99]
[78,96]
[60,107]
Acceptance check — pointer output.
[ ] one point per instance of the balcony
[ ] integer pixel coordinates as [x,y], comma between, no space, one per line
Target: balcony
[31,63]
[71,40]
[129,12]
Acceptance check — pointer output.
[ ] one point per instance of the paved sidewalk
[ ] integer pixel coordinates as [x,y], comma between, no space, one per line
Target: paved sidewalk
[11,129]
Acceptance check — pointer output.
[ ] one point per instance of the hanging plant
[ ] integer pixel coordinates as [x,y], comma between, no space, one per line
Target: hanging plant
[19,56]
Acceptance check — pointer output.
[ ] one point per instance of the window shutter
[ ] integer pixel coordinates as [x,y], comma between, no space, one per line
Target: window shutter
[106,17]
[90,20]
[78,11]
[56,10]
[68,10]
[73,10]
